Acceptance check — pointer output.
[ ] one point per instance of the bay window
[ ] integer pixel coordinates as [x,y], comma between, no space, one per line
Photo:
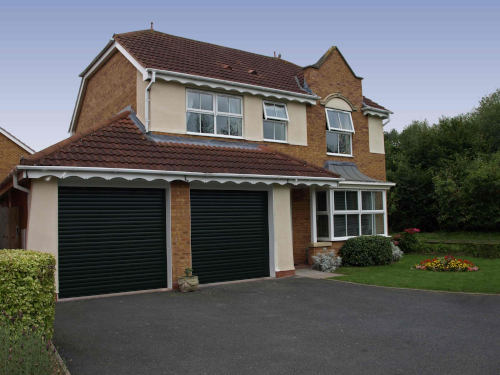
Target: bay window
[339,132]
[341,214]
[214,114]
[275,121]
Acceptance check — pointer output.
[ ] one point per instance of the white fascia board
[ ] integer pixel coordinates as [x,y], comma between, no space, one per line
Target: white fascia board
[366,184]
[131,59]
[377,112]
[16,141]
[83,84]
[215,83]
[151,175]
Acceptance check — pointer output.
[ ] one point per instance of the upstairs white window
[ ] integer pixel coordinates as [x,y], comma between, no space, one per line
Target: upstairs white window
[339,132]
[214,114]
[275,122]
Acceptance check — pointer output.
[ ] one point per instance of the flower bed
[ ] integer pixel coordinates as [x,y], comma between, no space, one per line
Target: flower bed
[447,263]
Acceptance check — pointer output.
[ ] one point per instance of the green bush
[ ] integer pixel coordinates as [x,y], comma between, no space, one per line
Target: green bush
[26,352]
[474,250]
[27,292]
[408,243]
[366,251]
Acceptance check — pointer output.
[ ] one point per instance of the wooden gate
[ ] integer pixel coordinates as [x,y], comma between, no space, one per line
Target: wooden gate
[10,237]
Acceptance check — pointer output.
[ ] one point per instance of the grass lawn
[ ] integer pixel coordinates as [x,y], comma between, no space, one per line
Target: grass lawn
[487,237]
[402,275]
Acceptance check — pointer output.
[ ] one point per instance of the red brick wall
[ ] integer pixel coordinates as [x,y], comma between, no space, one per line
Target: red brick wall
[181,228]
[10,154]
[301,224]
[110,89]
[334,76]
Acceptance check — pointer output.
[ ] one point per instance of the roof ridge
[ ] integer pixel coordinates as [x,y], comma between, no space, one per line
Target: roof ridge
[208,43]
[75,137]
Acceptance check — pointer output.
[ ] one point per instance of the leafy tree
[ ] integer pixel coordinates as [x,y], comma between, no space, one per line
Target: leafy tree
[447,174]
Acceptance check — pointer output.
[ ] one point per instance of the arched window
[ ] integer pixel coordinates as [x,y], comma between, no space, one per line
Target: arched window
[339,127]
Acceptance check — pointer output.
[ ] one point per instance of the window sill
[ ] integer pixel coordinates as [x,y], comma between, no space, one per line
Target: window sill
[274,141]
[338,239]
[343,155]
[215,135]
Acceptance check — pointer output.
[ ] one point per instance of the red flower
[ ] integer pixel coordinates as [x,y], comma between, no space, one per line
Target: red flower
[412,230]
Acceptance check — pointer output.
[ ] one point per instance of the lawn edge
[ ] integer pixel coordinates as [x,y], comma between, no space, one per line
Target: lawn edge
[60,361]
[403,288]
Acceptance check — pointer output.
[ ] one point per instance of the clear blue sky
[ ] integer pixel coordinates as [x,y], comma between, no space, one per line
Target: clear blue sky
[422,61]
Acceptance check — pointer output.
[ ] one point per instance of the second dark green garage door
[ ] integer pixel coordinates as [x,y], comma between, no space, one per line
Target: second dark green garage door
[229,235]
[111,240]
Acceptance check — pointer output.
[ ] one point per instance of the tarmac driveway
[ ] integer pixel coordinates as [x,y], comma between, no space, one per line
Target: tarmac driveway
[287,326]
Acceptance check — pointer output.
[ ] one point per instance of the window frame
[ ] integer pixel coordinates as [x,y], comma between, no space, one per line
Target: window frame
[341,131]
[359,212]
[215,112]
[266,117]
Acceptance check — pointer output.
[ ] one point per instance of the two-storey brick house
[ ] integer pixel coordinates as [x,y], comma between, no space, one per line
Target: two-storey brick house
[188,154]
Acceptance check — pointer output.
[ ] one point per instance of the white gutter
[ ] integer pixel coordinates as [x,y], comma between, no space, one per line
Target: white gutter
[194,79]
[148,101]
[114,171]
[16,185]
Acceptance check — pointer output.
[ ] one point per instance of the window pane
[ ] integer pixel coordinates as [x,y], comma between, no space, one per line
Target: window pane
[235,105]
[280,131]
[223,104]
[352,225]
[332,142]
[366,197]
[193,122]
[379,223]
[223,125]
[207,123]
[339,200]
[379,204]
[367,224]
[268,130]
[322,225]
[207,102]
[344,143]
[339,226]
[270,112]
[352,200]
[333,119]
[345,121]
[321,201]
[280,111]
[193,100]
[235,126]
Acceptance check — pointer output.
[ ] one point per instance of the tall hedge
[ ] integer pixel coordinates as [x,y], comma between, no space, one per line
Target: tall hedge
[27,291]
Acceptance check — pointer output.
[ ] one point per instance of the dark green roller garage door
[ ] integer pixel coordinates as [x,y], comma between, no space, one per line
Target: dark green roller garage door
[229,235]
[111,240]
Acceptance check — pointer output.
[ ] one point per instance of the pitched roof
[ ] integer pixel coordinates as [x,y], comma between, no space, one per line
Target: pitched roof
[122,143]
[371,103]
[323,58]
[157,50]
[16,140]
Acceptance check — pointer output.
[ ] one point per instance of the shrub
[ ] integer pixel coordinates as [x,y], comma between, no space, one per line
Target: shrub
[447,263]
[326,262]
[25,352]
[397,254]
[27,293]
[469,249]
[367,251]
[408,241]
